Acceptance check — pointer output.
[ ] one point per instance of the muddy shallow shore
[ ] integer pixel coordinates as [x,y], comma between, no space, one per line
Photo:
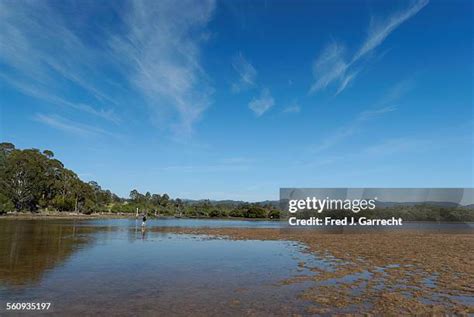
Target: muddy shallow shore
[386,273]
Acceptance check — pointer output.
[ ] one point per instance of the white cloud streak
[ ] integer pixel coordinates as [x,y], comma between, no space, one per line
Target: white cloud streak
[66,125]
[247,80]
[294,107]
[346,81]
[263,103]
[247,74]
[378,31]
[223,165]
[160,53]
[152,54]
[394,146]
[45,95]
[43,56]
[384,106]
[347,131]
[332,66]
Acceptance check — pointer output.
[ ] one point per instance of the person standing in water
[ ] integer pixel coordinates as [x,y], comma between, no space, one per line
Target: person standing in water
[144,220]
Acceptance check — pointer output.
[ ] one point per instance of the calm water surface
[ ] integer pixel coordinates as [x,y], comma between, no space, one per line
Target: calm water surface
[110,266]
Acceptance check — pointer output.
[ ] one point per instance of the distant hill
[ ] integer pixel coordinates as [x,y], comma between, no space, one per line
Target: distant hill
[235,203]
[380,204]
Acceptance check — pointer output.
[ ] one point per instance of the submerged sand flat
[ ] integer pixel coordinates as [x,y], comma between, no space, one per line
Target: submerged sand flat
[378,273]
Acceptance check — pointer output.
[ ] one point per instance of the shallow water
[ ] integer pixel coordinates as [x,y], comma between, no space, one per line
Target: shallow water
[191,223]
[112,267]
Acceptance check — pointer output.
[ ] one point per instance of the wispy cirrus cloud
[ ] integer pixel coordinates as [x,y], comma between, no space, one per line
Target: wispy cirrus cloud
[248,79]
[330,66]
[69,126]
[262,104]
[346,81]
[152,53]
[43,94]
[384,106]
[352,128]
[334,66]
[294,107]
[222,165]
[386,148]
[43,57]
[160,55]
[246,72]
[397,145]
[381,28]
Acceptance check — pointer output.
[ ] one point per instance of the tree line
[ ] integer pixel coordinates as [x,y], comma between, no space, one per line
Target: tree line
[35,181]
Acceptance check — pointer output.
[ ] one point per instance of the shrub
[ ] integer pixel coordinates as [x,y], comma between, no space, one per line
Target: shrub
[5,204]
[62,203]
[255,212]
[274,214]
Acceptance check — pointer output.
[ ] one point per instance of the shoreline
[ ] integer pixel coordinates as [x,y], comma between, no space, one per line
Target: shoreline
[63,215]
[105,215]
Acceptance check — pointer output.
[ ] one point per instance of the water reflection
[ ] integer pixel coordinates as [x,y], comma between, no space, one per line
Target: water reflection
[113,267]
[29,248]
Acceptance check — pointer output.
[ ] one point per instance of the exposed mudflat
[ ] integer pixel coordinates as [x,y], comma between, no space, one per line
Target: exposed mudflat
[380,273]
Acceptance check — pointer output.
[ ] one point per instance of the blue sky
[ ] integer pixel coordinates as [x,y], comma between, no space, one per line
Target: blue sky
[235,99]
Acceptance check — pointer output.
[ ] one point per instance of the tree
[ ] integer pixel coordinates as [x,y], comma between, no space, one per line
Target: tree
[155,200]
[255,211]
[31,179]
[25,178]
[95,186]
[48,153]
[178,203]
[134,195]
[216,212]
[164,200]
[5,149]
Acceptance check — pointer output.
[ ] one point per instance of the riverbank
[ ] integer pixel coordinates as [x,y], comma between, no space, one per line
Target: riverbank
[384,273]
[111,215]
[63,215]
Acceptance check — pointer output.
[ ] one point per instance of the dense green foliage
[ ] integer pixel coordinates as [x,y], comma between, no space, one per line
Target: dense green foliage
[156,204]
[31,180]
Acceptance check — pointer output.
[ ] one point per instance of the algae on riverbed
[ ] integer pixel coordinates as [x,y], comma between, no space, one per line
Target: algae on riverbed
[379,273]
